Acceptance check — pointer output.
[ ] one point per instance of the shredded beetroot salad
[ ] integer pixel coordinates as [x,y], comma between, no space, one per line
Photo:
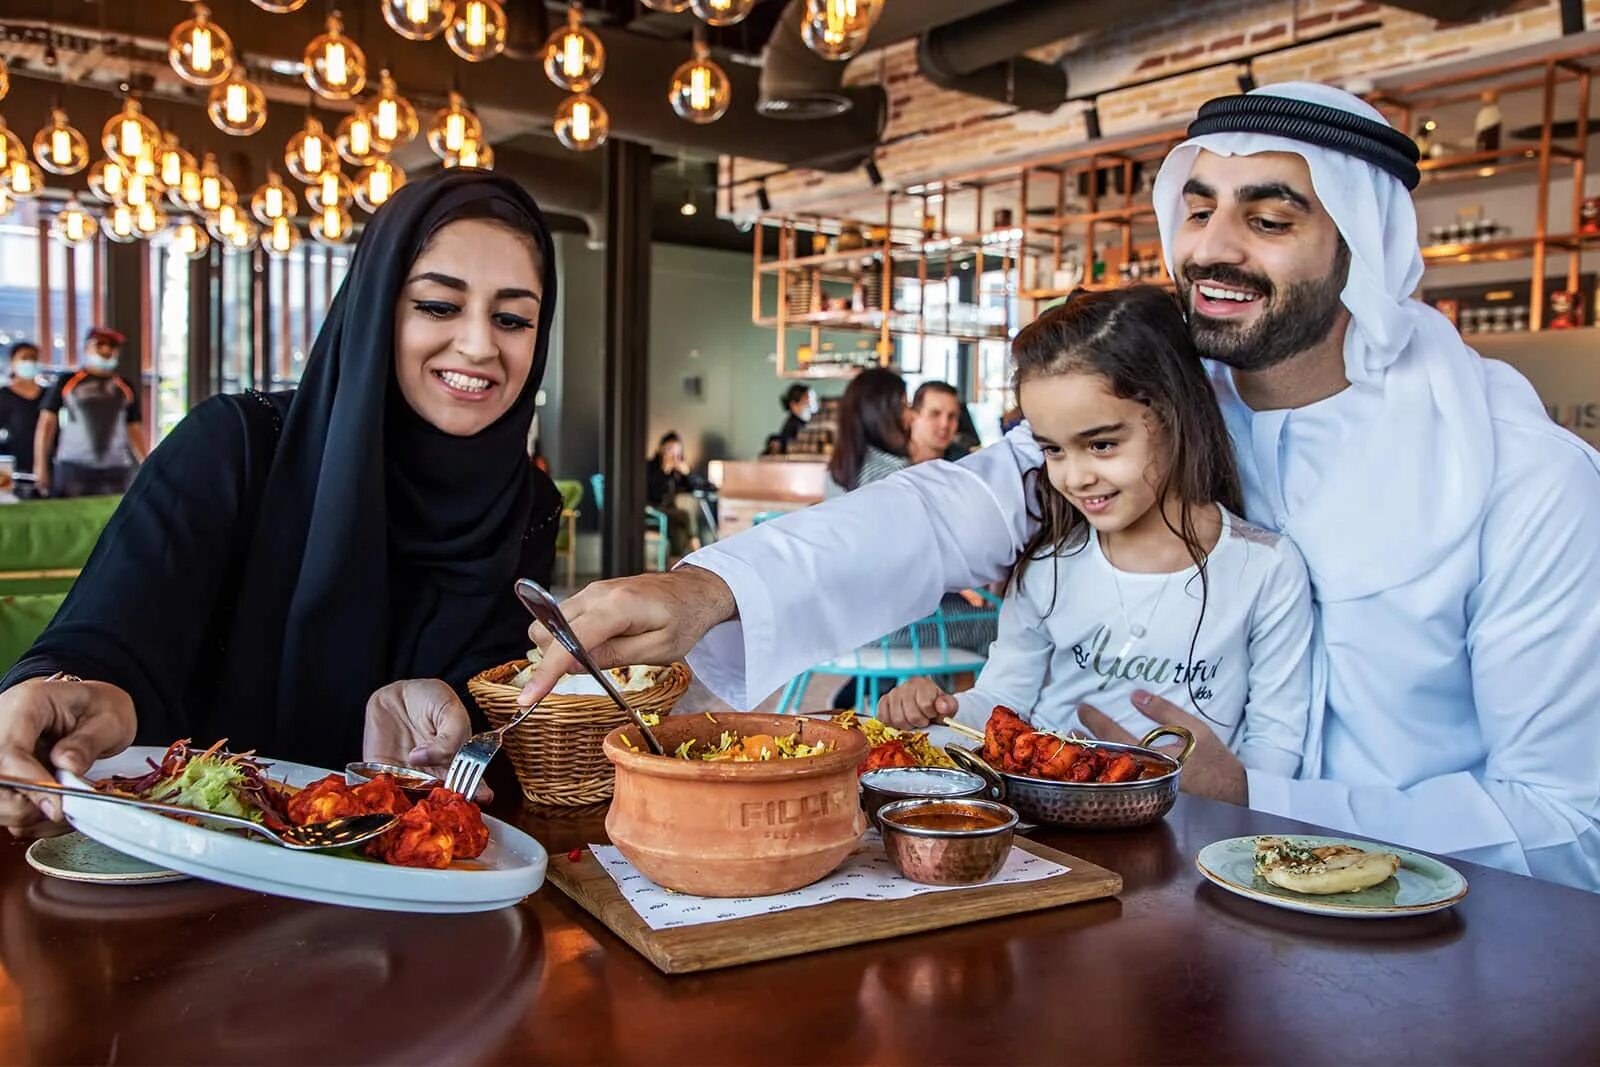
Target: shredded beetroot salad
[231,783]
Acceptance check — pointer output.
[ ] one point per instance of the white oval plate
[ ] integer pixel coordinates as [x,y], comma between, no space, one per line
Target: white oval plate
[510,868]
[1422,884]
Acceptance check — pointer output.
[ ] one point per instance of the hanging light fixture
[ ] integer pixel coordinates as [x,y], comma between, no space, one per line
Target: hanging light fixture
[452,127]
[120,224]
[242,237]
[188,239]
[280,7]
[273,201]
[394,120]
[23,179]
[474,153]
[215,188]
[700,89]
[418,20]
[107,180]
[59,147]
[73,225]
[722,12]
[478,30]
[172,161]
[376,184]
[221,223]
[139,189]
[332,225]
[129,134]
[149,220]
[333,189]
[581,123]
[574,58]
[146,164]
[310,152]
[187,192]
[354,141]
[5,85]
[12,144]
[335,66]
[237,106]
[838,29]
[671,7]
[280,238]
[199,50]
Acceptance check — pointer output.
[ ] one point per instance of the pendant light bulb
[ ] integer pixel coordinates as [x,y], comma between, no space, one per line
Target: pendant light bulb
[148,219]
[107,181]
[5,83]
[311,152]
[418,20]
[199,50]
[478,30]
[332,225]
[581,123]
[23,179]
[242,237]
[722,12]
[73,225]
[273,201]
[376,184]
[700,91]
[394,120]
[280,7]
[221,222]
[838,29]
[452,127]
[333,189]
[474,153]
[129,134]
[354,142]
[188,239]
[670,7]
[280,238]
[172,162]
[59,147]
[120,226]
[574,58]
[238,106]
[11,146]
[335,66]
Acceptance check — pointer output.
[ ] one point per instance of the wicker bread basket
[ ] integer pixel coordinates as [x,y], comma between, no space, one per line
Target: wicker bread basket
[556,750]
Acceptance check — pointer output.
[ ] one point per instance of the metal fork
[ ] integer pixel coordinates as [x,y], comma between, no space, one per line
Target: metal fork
[472,758]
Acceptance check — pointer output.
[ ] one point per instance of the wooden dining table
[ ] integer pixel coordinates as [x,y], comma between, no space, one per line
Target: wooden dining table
[1173,970]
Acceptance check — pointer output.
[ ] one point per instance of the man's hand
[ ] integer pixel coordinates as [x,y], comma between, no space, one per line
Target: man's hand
[1211,770]
[651,618]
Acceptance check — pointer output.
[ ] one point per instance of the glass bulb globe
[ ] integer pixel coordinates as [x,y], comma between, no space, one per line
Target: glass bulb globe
[333,188]
[215,188]
[23,179]
[242,238]
[221,222]
[187,192]
[59,148]
[107,181]
[73,225]
[452,127]
[394,120]
[280,238]
[188,239]
[581,123]
[354,141]
[237,106]
[120,224]
[838,29]
[280,7]
[310,152]
[722,12]
[335,66]
[199,50]
[5,84]
[149,220]
[140,189]
[478,154]
[273,201]
[418,20]
[376,184]
[333,225]
[671,7]
[478,30]
[700,91]
[129,134]
[574,58]
[13,147]
[172,161]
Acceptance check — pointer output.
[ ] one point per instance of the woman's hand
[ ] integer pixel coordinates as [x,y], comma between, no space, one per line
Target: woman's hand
[915,704]
[419,722]
[49,725]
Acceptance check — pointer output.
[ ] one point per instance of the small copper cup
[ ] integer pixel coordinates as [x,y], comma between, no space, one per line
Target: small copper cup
[947,842]
[413,783]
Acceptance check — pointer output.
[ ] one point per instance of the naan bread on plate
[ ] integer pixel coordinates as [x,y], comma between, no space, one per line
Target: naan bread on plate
[1323,869]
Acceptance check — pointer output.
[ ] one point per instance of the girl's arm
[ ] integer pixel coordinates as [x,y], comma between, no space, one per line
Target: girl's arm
[1018,659]
[1285,679]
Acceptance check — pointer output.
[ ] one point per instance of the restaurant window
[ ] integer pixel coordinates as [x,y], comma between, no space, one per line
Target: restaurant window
[19,275]
[237,308]
[167,378]
[304,286]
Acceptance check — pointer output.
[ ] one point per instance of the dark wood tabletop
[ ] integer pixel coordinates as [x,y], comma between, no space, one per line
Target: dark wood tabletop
[1172,971]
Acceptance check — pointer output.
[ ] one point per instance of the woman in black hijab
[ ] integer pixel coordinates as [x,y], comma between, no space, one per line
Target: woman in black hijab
[285,561]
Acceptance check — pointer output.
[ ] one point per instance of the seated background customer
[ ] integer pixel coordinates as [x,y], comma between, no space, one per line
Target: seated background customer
[935,417]
[667,474]
[872,437]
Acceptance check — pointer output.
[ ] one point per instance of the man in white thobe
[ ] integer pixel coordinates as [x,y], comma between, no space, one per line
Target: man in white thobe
[1452,531]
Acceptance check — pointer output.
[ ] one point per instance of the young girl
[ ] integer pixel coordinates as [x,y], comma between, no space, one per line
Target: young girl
[1141,574]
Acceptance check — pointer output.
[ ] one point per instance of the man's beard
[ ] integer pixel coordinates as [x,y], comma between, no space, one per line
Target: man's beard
[1300,316]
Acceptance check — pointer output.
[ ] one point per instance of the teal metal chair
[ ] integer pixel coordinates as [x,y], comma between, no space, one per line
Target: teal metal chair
[766,516]
[883,661]
[654,518]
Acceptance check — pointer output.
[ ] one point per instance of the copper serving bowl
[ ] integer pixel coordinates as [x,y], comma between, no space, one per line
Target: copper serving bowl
[413,783]
[947,842]
[1090,805]
[889,784]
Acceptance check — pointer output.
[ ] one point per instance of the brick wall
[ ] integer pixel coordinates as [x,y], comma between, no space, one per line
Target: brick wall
[932,133]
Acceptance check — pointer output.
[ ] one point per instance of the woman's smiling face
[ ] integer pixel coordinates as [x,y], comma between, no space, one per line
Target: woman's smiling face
[466,324]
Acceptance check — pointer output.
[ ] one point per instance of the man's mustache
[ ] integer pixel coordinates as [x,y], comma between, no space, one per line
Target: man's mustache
[1223,274]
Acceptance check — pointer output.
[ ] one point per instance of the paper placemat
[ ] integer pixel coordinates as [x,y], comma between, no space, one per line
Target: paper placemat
[866,875]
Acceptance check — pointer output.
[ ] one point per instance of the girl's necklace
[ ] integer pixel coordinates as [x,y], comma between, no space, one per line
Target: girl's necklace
[1135,631]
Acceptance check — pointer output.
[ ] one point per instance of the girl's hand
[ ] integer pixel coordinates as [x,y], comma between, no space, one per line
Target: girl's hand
[418,723]
[48,725]
[915,704]
[1212,770]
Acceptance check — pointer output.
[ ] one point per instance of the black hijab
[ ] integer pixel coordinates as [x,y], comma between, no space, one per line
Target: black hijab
[384,548]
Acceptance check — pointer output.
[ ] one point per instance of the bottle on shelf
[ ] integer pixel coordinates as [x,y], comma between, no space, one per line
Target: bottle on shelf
[1424,137]
[1486,127]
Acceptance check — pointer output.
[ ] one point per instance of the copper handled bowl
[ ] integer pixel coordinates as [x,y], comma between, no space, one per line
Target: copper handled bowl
[1090,805]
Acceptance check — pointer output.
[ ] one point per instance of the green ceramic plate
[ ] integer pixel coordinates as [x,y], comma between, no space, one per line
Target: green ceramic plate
[77,858]
[1423,884]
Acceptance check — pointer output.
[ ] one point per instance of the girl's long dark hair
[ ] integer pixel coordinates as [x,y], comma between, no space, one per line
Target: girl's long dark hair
[871,414]
[1136,340]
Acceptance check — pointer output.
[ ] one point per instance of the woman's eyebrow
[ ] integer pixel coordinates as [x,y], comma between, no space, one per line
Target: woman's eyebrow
[450,281]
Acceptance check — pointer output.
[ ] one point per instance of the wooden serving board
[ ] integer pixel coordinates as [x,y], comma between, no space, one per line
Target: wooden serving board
[708,946]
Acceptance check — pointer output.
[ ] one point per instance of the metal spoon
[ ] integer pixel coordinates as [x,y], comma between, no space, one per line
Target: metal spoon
[315,837]
[547,613]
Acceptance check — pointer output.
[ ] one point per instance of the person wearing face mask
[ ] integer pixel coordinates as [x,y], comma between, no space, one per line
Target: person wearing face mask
[800,401]
[19,412]
[91,421]
[315,574]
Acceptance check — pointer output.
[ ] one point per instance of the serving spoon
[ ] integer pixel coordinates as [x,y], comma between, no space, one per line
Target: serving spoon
[313,837]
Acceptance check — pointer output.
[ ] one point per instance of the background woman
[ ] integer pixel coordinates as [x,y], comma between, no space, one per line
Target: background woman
[872,430]
[801,403]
